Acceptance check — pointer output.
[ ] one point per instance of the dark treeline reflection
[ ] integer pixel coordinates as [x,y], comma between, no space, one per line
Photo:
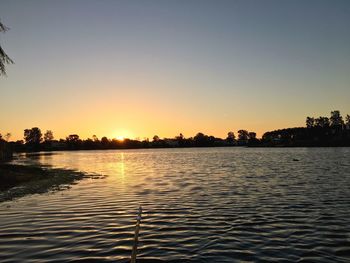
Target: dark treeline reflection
[321,131]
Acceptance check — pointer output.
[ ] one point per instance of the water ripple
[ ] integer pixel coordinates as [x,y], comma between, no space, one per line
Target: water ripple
[200,205]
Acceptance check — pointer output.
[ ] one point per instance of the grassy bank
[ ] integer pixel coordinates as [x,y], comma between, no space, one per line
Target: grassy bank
[19,180]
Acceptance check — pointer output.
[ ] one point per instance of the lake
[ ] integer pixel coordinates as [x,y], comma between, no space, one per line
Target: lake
[199,205]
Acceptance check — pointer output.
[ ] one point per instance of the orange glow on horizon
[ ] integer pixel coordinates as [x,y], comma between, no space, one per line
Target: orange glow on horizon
[120,138]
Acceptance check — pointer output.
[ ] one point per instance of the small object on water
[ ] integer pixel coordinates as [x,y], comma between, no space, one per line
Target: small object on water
[136,237]
[295,160]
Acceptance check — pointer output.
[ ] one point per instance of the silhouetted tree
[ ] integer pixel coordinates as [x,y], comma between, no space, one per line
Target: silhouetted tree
[322,122]
[336,119]
[73,141]
[7,136]
[94,138]
[33,138]
[243,135]
[252,136]
[310,122]
[4,58]
[252,140]
[72,138]
[211,140]
[104,142]
[48,136]
[230,137]
[156,138]
[200,139]
[145,143]
[347,119]
[180,139]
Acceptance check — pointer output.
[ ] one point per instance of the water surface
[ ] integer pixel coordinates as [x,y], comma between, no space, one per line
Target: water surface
[200,205]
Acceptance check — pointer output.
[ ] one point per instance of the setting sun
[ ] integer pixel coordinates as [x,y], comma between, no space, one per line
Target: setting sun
[120,138]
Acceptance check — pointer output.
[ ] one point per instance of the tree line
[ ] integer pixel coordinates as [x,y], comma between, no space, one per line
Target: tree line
[321,131]
[335,121]
[35,140]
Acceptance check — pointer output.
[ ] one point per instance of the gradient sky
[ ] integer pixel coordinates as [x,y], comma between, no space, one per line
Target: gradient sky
[140,68]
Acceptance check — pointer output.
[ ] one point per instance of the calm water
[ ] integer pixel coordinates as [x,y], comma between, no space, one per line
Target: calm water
[200,205]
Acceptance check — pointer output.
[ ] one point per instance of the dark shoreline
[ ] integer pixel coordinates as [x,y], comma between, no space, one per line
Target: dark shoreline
[20,180]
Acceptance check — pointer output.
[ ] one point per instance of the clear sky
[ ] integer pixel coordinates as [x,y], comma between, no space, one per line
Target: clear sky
[140,68]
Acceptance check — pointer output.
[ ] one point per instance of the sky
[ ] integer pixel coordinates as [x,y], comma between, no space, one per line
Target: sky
[142,68]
